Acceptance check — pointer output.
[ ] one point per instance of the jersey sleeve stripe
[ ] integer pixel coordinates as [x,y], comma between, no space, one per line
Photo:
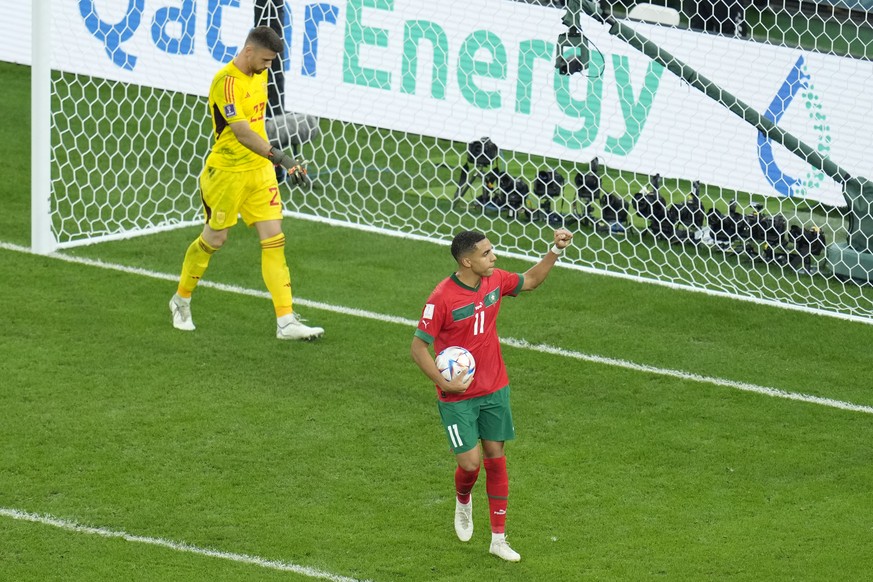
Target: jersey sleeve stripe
[518,287]
[423,336]
[228,89]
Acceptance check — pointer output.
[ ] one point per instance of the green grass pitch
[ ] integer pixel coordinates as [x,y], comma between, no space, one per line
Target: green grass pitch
[330,455]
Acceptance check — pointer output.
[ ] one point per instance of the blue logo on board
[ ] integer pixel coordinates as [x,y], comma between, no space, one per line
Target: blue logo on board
[797,84]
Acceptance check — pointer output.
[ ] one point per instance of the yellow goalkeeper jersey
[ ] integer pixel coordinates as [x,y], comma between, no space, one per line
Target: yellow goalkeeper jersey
[235,96]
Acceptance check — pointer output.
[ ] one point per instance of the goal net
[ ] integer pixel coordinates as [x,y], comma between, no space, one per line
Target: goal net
[437,116]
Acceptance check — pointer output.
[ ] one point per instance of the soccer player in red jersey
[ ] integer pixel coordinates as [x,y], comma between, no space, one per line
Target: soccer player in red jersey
[462,311]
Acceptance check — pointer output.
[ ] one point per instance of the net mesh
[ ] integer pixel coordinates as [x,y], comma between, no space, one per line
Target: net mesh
[432,118]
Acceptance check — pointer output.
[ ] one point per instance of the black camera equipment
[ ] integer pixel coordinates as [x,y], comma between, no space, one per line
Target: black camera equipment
[742,226]
[572,48]
[516,191]
[573,53]
[796,249]
[481,154]
[573,60]
[587,192]
[676,223]
[491,199]
[502,192]
[588,184]
[548,187]
[766,228]
[778,255]
[722,227]
[760,235]
[501,184]
[587,187]
[613,211]
[808,243]
[726,229]
[692,212]
[652,206]
[655,182]
[759,226]
[687,218]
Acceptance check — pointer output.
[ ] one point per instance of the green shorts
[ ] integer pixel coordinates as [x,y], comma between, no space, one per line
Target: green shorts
[485,417]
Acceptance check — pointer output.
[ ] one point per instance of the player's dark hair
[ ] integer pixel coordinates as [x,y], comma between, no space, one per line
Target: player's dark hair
[464,243]
[265,37]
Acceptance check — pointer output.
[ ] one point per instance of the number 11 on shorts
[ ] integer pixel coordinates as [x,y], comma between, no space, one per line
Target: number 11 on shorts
[455,436]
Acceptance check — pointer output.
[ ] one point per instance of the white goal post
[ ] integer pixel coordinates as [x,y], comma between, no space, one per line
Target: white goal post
[436,116]
[42,238]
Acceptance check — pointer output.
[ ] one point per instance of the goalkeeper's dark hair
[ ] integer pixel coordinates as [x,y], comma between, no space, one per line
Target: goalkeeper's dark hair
[464,243]
[265,37]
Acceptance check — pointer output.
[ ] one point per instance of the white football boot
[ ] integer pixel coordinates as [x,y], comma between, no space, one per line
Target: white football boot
[291,327]
[500,548]
[464,519]
[181,310]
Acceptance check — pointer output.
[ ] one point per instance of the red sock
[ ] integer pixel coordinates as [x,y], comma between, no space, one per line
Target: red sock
[464,481]
[497,485]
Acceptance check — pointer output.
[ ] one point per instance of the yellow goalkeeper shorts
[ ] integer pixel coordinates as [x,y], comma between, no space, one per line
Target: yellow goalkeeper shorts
[252,194]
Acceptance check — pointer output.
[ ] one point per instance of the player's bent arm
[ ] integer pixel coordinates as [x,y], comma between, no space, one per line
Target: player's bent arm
[538,273]
[249,138]
[534,276]
[421,356]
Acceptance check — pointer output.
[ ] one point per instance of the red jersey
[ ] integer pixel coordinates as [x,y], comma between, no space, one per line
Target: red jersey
[458,315]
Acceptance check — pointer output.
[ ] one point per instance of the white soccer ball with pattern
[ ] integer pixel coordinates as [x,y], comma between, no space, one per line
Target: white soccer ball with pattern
[453,360]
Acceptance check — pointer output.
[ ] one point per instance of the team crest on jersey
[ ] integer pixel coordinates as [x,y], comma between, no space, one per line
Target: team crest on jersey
[229,110]
[428,311]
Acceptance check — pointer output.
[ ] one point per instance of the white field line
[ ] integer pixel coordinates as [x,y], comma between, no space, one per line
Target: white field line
[177,546]
[681,375]
[517,343]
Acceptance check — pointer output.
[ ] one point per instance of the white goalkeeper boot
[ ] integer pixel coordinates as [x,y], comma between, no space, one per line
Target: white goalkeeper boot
[500,548]
[180,307]
[291,327]
[464,519]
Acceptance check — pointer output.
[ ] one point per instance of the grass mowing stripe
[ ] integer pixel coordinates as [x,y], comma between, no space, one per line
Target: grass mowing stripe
[744,386]
[517,343]
[213,285]
[669,284]
[177,546]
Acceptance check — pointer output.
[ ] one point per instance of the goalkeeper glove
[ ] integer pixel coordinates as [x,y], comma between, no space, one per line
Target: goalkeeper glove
[296,170]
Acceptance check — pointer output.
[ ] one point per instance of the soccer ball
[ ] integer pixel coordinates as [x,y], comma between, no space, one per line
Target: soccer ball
[452,360]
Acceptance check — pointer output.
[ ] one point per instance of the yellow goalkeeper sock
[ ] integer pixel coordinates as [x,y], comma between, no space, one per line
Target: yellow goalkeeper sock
[195,263]
[276,275]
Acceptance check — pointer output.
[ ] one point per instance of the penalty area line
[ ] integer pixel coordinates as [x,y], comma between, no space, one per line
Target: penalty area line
[176,546]
[516,343]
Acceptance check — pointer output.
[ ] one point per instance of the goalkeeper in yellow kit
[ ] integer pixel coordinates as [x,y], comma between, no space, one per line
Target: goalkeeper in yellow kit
[239,179]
